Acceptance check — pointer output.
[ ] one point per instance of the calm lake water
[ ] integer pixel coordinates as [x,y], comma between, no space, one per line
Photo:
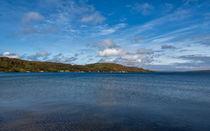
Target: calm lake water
[105,101]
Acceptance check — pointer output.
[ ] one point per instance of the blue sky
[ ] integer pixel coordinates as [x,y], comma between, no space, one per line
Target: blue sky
[153,34]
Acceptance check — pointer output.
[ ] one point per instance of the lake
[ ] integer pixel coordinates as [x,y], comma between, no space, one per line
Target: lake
[105,101]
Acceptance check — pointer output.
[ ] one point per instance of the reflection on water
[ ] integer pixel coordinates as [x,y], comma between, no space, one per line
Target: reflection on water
[104,101]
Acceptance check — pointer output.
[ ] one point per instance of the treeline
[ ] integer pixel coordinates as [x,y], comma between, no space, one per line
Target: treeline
[17,65]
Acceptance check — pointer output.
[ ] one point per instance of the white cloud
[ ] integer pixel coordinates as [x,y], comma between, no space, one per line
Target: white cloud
[6,53]
[132,57]
[107,31]
[110,52]
[95,18]
[113,29]
[29,27]
[72,16]
[32,16]
[10,55]
[104,44]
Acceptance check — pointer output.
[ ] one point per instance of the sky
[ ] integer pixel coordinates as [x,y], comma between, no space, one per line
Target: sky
[163,35]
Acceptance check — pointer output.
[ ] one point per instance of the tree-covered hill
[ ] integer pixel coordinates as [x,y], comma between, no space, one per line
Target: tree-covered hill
[17,65]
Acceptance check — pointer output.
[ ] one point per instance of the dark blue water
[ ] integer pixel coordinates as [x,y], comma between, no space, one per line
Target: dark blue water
[105,101]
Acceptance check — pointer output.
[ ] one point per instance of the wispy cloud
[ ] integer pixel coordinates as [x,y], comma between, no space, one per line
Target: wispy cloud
[32,16]
[168,47]
[144,8]
[148,34]
[95,18]
[191,62]
[168,7]
[63,59]
[187,2]
[138,38]
[10,55]
[28,30]
[42,55]
[113,29]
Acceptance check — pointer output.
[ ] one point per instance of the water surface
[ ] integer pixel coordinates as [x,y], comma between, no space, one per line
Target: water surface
[105,101]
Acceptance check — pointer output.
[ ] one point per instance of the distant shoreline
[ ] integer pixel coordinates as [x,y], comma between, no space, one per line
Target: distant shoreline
[163,72]
[18,65]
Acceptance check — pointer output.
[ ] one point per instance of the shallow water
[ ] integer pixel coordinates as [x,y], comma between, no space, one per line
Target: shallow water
[105,101]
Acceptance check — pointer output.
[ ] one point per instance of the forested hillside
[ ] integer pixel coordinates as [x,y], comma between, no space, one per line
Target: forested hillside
[17,65]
